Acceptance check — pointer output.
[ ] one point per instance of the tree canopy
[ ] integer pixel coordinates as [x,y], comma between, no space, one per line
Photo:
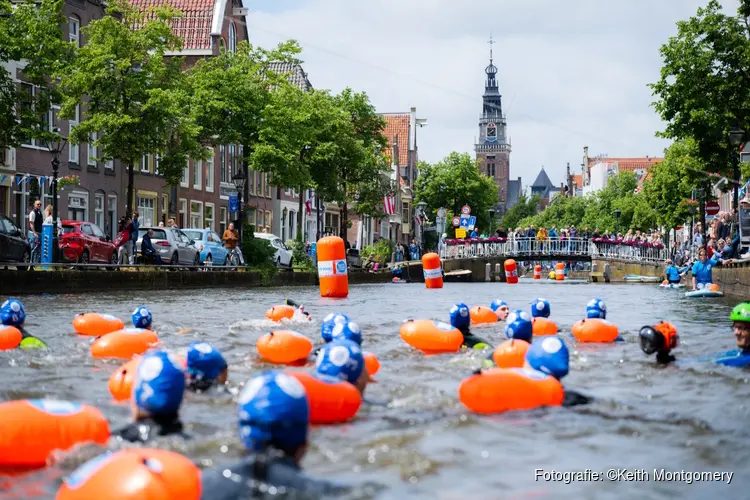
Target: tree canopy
[526,207]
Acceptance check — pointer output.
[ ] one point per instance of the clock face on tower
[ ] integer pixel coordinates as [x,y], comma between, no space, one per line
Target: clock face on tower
[491,132]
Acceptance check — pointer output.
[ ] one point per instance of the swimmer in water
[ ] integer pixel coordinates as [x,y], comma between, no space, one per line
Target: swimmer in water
[550,355]
[157,396]
[206,367]
[328,325]
[501,309]
[596,308]
[518,325]
[299,307]
[461,320]
[273,423]
[13,314]
[540,308]
[660,339]
[740,317]
[142,318]
[342,360]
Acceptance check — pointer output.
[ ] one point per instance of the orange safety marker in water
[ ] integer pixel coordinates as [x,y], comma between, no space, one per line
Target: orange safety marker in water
[332,272]
[560,271]
[537,272]
[511,271]
[433,272]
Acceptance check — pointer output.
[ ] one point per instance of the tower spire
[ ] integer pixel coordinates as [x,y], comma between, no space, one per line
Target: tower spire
[491,42]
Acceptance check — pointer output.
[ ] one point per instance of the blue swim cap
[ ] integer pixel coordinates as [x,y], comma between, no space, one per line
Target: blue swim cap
[142,317]
[497,304]
[347,330]
[12,313]
[160,383]
[596,308]
[540,308]
[518,326]
[204,362]
[342,360]
[460,317]
[326,329]
[549,355]
[273,409]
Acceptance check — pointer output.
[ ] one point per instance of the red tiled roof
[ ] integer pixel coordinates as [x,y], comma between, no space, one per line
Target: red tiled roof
[397,124]
[194,27]
[578,180]
[628,164]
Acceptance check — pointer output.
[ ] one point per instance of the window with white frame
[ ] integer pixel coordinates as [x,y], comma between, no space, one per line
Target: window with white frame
[185,174]
[92,149]
[182,216]
[232,37]
[196,215]
[109,164]
[146,210]
[268,184]
[99,210]
[230,163]
[74,30]
[269,217]
[78,204]
[112,216]
[155,164]
[29,94]
[144,163]
[222,163]
[210,216]
[197,174]
[259,184]
[209,173]
[222,219]
[260,219]
[74,152]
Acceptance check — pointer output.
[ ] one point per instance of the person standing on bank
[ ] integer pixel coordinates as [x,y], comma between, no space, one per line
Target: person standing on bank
[135,226]
[35,230]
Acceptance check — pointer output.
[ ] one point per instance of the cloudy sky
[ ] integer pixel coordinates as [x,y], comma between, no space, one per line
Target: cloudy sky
[572,74]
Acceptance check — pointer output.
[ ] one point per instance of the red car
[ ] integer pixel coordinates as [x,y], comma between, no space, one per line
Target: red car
[83,243]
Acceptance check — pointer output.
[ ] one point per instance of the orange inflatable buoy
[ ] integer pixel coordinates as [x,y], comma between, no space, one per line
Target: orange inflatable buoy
[543,326]
[431,337]
[537,272]
[330,402]
[511,354]
[10,337]
[595,330]
[95,324]
[511,271]
[33,428]
[120,383]
[560,271]
[712,287]
[332,273]
[432,270]
[277,313]
[284,347]
[505,389]
[372,364]
[481,315]
[134,474]
[124,344]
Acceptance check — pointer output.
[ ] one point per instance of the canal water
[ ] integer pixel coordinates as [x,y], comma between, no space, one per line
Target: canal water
[417,441]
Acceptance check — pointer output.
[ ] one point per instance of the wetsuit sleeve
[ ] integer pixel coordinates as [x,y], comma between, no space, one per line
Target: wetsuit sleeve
[471,341]
[131,433]
[573,398]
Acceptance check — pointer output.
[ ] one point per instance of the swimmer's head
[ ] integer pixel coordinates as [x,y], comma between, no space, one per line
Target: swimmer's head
[159,384]
[741,324]
[518,325]
[540,308]
[501,308]
[549,355]
[342,360]
[348,330]
[326,328]
[142,317]
[273,412]
[12,313]
[596,308]
[460,317]
[661,337]
[206,364]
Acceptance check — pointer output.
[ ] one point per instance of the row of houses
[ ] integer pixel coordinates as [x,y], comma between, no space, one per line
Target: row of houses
[201,200]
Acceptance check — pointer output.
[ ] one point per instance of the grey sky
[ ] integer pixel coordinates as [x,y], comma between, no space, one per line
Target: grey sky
[572,74]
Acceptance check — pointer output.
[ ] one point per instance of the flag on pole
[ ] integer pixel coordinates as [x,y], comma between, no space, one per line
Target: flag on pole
[389,204]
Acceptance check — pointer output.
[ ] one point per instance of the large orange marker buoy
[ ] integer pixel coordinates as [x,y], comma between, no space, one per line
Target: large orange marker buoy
[560,271]
[537,272]
[511,271]
[433,273]
[332,274]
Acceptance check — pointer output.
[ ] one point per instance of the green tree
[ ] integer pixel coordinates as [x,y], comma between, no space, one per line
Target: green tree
[135,98]
[525,208]
[454,182]
[30,32]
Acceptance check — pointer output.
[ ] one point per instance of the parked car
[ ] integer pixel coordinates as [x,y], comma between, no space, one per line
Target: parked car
[174,246]
[83,242]
[14,247]
[210,246]
[283,256]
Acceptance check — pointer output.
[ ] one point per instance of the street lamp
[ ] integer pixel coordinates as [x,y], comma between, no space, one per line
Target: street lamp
[420,210]
[239,180]
[617,214]
[56,147]
[736,137]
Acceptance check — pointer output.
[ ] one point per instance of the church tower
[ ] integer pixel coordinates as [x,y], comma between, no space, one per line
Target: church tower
[493,148]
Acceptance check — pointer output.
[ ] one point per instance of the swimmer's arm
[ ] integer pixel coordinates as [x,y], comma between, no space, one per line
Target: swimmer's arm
[574,398]
[694,288]
[30,342]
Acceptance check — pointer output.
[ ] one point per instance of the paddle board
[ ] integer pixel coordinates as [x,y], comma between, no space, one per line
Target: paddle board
[703,293]
[672,285]
[642,279]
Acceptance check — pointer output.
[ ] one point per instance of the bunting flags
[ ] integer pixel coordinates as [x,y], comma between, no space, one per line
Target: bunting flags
[389,204]
[25,179]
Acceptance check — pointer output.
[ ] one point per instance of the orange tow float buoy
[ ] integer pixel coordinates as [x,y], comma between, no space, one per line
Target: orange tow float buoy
[372,364]
[134,474]
[511,271]
[120,383]
[330,402]
[431,337]
[712,287]
[33,428]
[432,270]
[543,326]
[277,313]
[504,389]
[332,273]
[595,330]
[511,354]
[560,271]
[95,324]
[284,347]
[124,344]
[10,337]
[482,315]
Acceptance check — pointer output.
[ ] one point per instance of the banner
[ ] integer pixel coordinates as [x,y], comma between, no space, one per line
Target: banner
[47,243]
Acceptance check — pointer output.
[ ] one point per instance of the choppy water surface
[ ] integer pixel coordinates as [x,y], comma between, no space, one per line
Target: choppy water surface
[423,444]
